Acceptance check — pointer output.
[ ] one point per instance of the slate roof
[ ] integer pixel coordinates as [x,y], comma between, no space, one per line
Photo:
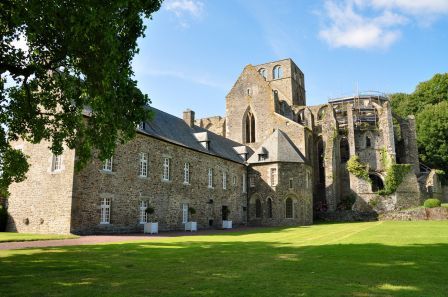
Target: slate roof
[172,129]
[279,148]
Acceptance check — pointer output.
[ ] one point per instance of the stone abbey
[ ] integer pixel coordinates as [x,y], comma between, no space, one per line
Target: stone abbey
[271,161]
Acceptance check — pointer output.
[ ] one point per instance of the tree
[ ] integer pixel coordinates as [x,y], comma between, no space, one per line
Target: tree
[76,63]
[432,131]
[429,103]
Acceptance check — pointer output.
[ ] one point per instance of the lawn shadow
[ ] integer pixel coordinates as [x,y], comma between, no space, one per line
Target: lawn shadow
[209,268]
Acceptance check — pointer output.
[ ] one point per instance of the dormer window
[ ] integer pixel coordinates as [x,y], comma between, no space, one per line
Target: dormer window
[262,157]
[205,144]
[244,156]
[142,126]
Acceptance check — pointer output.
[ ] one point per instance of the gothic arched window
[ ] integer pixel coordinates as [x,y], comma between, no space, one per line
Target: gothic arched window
[269,208]
[277,72]
[250,127]
[258,208]
[263,73]
[288,208]
[368,142]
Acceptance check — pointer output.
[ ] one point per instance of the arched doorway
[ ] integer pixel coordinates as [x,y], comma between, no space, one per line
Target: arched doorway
[377,182]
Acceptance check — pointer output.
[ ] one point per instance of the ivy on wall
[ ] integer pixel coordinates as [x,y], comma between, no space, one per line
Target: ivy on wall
[395,174]
[358,168]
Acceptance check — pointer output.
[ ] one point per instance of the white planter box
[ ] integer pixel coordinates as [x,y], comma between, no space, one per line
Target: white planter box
[151,228]
[191,226]
[227,224]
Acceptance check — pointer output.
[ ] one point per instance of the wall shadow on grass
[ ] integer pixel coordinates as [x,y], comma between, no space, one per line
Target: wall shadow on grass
[204,268]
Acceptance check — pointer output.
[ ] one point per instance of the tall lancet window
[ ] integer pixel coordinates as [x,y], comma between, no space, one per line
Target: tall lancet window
[250,128]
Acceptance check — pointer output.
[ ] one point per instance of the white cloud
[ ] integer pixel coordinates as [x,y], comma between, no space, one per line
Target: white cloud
[366,24]
[182,7]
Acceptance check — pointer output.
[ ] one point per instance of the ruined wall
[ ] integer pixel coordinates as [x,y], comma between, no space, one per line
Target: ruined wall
[300,193]
[409,153]
[126,189]
[42,203]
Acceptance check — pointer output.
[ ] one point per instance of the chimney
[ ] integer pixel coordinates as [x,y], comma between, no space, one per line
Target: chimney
[189,117]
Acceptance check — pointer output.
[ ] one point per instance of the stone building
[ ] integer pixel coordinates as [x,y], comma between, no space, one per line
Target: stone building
[271,160]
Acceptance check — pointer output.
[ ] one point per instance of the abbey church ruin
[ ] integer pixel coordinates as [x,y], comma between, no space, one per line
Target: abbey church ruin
[271,160]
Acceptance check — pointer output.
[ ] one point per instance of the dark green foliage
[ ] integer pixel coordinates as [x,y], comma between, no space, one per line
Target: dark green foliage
[432,202]
[347,202]
[79,54]
[357,168]
[3,218]
[429,104]
[149,210]
[191,211]
[395,174]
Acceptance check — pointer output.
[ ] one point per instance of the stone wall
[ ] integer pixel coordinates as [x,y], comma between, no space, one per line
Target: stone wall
[42,203]
[126,189]
[300,193]
[215,124]
[417,214]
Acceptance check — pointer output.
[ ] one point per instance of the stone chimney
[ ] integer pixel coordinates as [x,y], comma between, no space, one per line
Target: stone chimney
[189,117]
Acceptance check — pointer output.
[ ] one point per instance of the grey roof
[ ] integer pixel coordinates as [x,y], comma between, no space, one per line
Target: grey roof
[173,129]
[279,148]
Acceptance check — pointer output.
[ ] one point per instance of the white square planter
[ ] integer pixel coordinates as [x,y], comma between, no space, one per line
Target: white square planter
[227,224]
[191,226]
[151,228]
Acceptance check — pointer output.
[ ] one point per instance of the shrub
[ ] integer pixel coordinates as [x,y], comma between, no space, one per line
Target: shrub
[432,202]
[191,210]
[149,210]
[357,168]
[395,174]
[3,218]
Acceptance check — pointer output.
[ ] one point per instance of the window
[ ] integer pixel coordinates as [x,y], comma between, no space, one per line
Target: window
[143,214]
[56,163]
[105,211]
[142,125]
[308,180]
[270,208]
[273,175]
[252,181]
[258,209]
[277,72]
[166,169]
[234,180]
[107,165]
[210,178]
[368,142]
[291,183]
[263,73]
[262,157]
[186,173]
[143,169]
[249,92]
[250,127]
[288,208]
[244,183]
[224,180]
[205,144]
[184,213]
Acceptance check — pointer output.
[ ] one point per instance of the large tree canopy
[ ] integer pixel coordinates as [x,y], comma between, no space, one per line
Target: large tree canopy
[429,103]
[78,54]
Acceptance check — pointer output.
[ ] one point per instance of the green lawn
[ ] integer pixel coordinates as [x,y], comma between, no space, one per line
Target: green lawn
[11,236]
[358,259]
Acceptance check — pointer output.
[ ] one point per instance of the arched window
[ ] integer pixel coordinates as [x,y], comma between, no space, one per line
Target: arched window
[344,150]
[263,73]
[258,208]
[377,182]
[321,113]
[368,142]
[277,72]
[270,208]
[250,127]
[288,208]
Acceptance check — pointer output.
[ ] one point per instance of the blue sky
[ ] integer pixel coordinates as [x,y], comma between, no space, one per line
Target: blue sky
[194,50]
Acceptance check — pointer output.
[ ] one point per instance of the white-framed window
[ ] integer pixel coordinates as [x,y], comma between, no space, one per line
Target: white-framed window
[244,183]
[105,211]
[142,125]
[56,163]
[291,183]
[143,168]
[252,181]
[166,169]
[273,176]
[186,173]
[184,213]
[107,165]
[143,214]
[224,180]
[210,178]
[234,180]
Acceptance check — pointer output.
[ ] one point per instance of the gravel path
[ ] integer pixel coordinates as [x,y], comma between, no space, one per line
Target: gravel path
[94,239]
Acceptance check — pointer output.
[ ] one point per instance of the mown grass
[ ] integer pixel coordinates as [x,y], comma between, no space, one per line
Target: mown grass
[358,259]
[11,236]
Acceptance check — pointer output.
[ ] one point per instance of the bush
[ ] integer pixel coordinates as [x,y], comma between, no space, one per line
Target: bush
[358,169]
[3,218]
[432,202]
